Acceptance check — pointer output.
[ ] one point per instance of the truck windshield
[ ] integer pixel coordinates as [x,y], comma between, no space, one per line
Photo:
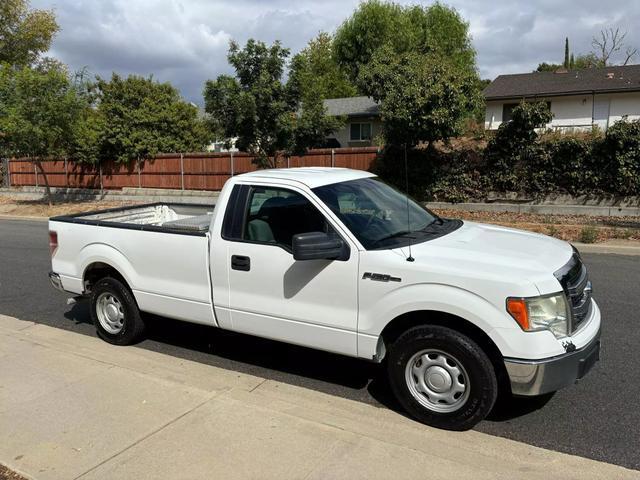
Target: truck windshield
[376,213]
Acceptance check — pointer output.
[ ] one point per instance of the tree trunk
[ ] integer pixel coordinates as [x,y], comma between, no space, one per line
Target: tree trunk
[47,188]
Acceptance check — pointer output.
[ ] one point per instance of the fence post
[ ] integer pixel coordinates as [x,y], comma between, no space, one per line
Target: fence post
[66,173]
[288,162]
[232,162]
[139,176]
[333,157]
[8,171]
[35,171]
[182,170]
[100,172]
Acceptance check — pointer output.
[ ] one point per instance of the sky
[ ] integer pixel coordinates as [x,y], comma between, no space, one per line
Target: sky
[186,41]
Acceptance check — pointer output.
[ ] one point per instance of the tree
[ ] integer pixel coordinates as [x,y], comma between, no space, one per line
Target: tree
[567,61]
[315,72]
[40,110]
[423,98]
[24,33]
[436,29]
[266,117]
[514,143]
[137,117]
[548,67]
[609,43]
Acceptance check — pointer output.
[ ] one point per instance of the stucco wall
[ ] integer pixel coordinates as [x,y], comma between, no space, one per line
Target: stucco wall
[577,111]
[343,134]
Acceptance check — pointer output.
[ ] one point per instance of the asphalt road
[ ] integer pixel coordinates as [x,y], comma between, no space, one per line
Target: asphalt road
[599,418]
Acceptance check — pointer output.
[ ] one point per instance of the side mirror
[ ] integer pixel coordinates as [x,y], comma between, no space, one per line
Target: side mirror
[317,246]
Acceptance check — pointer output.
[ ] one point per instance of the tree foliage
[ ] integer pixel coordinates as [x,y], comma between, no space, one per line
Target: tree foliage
[437,30]
[24,33]
[514,143]
[265,116]
[423,97]
[315,73]
[137,117]
[40,111]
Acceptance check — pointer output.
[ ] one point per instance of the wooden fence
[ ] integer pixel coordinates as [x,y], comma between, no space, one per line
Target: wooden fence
[189,171]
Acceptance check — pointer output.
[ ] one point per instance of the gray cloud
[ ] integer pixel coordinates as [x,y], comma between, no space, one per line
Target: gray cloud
[185,42]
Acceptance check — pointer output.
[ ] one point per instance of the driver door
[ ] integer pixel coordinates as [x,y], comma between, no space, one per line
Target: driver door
[311,302]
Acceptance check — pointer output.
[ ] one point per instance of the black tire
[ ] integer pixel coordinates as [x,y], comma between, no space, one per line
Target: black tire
[133,327]
[481,386]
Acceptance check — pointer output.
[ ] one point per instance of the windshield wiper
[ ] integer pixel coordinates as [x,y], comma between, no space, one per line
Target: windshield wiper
[401,233]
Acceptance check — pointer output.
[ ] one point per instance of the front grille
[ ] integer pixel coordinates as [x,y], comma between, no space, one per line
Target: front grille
[576,285]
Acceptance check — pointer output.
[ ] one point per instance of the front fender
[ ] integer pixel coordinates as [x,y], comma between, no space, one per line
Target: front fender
[376,315]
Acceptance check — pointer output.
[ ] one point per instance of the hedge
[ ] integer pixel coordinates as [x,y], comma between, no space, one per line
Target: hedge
[519,159]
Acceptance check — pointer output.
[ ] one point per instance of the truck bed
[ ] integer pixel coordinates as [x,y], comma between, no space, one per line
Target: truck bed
[163,217]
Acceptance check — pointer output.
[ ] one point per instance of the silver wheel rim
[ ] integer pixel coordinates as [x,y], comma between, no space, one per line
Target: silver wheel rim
[437,380]
[110,313]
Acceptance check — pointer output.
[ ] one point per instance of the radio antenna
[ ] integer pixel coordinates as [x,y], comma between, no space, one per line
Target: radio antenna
[406,185]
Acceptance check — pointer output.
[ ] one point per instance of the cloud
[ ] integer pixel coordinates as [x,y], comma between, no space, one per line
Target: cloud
[185,42]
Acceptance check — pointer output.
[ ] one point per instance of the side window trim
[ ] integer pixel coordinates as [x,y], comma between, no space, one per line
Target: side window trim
[236,216]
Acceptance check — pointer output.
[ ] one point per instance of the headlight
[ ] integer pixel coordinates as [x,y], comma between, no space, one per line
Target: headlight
[549,312]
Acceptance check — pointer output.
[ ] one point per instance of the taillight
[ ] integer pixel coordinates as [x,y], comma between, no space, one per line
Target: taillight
[53,242]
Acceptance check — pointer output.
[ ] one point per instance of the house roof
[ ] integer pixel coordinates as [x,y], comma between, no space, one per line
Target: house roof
[571,82]
[352,106]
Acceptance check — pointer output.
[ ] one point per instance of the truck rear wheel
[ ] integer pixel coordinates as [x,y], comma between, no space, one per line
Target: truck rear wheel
[441,377]
[115,313]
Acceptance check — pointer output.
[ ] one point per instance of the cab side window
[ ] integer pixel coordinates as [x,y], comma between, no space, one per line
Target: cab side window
[275,215]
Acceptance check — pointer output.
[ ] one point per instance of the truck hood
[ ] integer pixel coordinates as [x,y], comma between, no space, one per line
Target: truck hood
[497,252]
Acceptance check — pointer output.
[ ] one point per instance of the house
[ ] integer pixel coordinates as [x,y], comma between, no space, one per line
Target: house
[362,125]
[578,99]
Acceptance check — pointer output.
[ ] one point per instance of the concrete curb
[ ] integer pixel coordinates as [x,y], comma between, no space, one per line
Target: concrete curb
[607,249]
[541,209]
[76,407]
[24,218]
[127,194]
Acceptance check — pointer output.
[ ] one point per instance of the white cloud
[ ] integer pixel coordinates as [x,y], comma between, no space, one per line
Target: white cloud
[186,42]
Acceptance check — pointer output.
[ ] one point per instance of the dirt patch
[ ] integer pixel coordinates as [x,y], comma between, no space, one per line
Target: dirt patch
[6,474]
[573,228]
[39,208]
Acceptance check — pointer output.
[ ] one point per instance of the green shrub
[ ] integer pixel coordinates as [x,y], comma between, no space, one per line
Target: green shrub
[618,159]
[588,234]
[517,160]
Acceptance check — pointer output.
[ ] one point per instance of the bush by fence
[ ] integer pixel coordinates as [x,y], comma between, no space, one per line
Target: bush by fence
[190,171]
[596,163]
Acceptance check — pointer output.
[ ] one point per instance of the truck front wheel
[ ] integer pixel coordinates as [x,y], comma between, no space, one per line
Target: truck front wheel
[115,313]
[442,377]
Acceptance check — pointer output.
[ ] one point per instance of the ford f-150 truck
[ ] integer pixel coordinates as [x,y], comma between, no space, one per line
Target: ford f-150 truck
[337,260]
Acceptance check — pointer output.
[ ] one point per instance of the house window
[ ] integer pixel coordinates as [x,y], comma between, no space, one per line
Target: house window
[507,110]
[360,132]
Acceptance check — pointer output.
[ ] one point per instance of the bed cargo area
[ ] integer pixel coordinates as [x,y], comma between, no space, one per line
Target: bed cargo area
[171,216]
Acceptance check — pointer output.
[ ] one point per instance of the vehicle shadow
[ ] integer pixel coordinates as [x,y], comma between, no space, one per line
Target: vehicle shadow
[334,374]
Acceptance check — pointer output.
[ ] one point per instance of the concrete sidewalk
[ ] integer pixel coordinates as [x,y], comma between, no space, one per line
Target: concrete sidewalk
[72,406]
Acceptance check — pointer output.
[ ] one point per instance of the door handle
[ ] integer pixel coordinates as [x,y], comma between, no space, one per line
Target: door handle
[240,262]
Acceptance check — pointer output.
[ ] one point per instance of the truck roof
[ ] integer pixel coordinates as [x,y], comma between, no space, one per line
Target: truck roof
[312,177]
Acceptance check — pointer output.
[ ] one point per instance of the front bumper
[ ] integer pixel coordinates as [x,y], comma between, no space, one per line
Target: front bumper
[537,377]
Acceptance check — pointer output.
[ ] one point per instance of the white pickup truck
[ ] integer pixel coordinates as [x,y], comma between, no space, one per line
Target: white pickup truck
[337,260]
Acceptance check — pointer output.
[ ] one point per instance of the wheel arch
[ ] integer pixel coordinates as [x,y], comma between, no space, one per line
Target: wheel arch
[100,269]
[405,321]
